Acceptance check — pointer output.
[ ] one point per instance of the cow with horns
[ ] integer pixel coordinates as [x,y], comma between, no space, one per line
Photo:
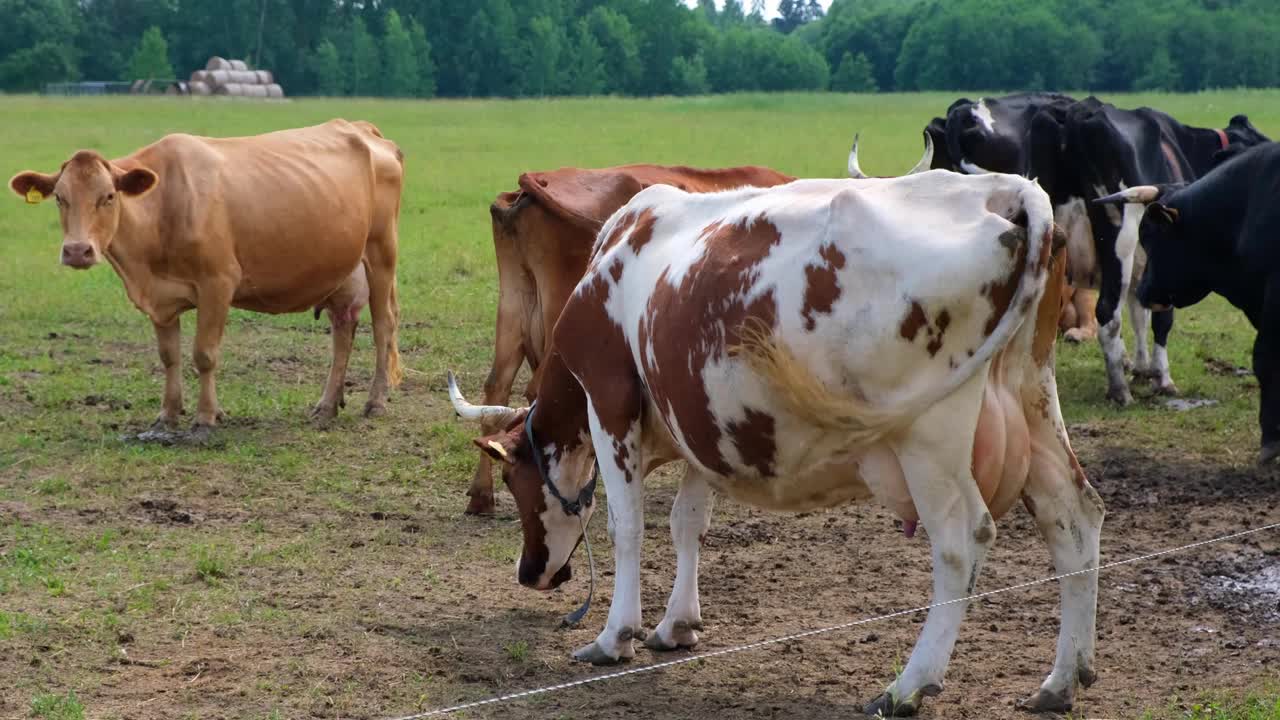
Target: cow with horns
[1216,235]
[802,347]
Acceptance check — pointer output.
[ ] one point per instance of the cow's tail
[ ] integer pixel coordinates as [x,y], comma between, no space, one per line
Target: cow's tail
[864,422]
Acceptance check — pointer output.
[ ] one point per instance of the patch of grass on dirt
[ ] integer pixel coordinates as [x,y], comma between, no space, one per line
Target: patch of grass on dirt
[212,564]
[57,707]
[1257,705]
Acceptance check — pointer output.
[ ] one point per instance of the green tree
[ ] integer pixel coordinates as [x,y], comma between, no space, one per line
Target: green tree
[616,37]
[587,71]
[363,63]
[151,58]
[689,76]
[400,65]
[544,49]
[1160,74]
[422,53]
[854,74]
[326,66]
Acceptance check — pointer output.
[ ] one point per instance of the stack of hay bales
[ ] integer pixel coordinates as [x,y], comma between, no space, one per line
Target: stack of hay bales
[233,78]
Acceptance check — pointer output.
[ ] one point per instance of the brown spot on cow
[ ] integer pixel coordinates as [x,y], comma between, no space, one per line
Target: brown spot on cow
[912,323]
[615,270]
[643,231]
[754,440]
[1030,504]
[1001,293]
[822,285]
[616,233]
[685,327]
[940,325]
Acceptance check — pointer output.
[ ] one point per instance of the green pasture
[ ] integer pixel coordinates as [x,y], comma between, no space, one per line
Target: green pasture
[94,551]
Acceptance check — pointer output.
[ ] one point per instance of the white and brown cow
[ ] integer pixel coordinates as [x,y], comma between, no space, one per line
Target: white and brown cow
[800,347]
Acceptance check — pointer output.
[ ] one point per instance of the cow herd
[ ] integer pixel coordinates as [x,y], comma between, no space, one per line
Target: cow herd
[797,344]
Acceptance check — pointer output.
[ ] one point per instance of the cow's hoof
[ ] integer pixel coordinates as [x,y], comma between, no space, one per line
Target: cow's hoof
[480,504]
[323,414]
[682,635]
[597,655]
[1168,389]
[1120,396]
[372,409]
[1269,453]
[222,415]
[201,434]
[1077,336]
[886,707]
[1046,701]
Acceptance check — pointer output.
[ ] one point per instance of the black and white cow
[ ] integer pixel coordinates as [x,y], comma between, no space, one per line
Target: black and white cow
[1081,151]
[1218,235]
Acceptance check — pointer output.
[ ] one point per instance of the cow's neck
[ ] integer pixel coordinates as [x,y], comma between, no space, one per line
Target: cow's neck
[1199,145]
[561,415]
[132,253]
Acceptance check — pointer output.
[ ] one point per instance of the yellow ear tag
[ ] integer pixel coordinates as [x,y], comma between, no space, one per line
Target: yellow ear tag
[34,196]
[498,447]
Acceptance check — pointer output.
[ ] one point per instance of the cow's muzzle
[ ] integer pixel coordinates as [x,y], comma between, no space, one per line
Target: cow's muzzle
[531,577]
[79,255]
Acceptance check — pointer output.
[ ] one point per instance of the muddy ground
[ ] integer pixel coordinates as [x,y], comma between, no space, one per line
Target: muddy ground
[1170,628]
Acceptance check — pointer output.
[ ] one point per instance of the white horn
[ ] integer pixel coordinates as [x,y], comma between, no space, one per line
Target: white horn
[855,172]
[927,160]
[488,414]
[1143,194]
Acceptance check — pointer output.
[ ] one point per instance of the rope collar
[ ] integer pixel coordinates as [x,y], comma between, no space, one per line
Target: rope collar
[573,508]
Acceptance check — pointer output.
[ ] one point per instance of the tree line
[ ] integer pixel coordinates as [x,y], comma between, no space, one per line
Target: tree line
[515,48]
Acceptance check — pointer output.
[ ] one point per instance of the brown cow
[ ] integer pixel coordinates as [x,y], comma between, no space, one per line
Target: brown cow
[273,223]
[542,235]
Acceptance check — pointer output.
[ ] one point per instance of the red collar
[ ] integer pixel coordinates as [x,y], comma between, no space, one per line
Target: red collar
[1222,136]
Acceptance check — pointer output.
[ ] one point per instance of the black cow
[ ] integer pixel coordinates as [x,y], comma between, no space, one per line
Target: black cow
[1081,151]
[1218,234]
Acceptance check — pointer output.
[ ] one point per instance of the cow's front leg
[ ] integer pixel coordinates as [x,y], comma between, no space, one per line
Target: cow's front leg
[690,517]
[936,465]
[1266,367]
[212,306]
[1140,318]
[620,469]
[169,343]
[1161,324]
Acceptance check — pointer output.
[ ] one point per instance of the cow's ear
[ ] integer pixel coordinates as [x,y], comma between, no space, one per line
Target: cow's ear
[500,447]
[33,186]
[136,182]
[1162,214]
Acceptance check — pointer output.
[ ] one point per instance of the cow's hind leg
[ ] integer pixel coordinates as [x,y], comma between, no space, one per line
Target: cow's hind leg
[344,308]
[690,517]
[935,457]
[1069,514]
[1111,338]
[380,257]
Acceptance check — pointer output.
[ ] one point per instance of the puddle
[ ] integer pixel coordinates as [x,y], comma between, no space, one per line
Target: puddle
[1255,591]
[1183,405]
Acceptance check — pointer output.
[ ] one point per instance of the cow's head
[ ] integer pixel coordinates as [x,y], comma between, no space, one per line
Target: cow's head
[1176,274]
[1242,132]
[534,471]
[90,193]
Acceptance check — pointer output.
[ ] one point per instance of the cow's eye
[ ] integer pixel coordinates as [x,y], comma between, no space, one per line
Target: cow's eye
[59,199]
[106,199]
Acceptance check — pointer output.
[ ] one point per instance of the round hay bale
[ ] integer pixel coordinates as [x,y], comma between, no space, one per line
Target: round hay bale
[233,77]
[199,88]
[217,63]
[264,77]
[258,91]
[200,76]
[275,91]
[239,65]
[232,89]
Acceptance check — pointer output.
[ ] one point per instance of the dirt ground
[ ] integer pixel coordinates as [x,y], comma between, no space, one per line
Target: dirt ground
[1170,628]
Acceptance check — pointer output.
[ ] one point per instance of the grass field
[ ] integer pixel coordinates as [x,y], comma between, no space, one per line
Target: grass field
[272,573]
